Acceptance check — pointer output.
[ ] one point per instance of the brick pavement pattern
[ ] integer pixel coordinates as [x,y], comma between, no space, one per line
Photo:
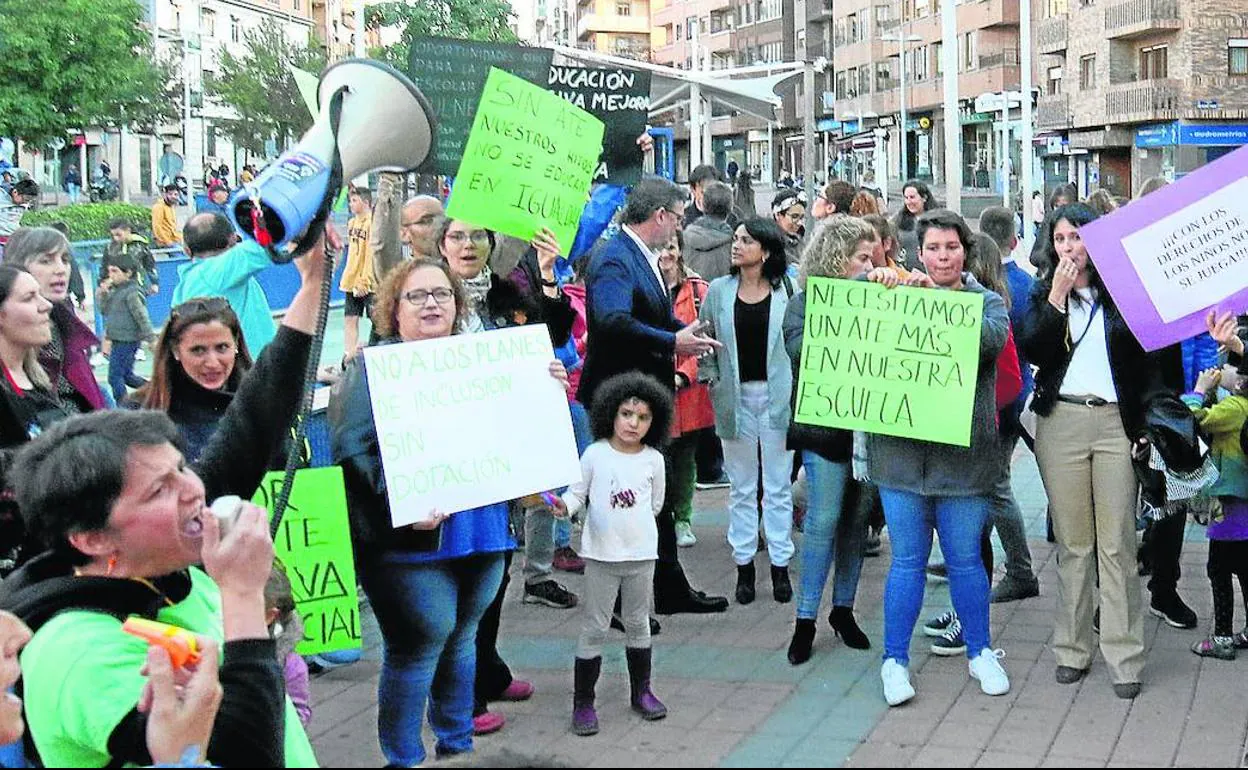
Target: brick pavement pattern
[734,700]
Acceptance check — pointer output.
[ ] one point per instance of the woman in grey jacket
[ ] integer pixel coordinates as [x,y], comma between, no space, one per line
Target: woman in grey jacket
[751,386]
[926,486]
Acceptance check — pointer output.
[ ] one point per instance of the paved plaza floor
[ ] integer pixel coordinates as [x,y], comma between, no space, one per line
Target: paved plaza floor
[734,700]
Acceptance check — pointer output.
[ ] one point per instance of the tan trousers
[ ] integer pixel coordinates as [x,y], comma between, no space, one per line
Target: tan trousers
[1085,462]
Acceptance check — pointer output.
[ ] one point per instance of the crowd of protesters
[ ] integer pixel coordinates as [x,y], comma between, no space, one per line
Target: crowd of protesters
[682,327]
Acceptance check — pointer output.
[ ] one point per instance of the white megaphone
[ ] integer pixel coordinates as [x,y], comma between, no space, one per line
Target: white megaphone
[372,118]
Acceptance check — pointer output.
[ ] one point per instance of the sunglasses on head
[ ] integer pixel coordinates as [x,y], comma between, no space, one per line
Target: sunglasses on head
[200,306]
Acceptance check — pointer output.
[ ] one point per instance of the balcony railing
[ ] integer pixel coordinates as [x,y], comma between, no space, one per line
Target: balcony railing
[1052,34]
[1134,18]
[1053,111]
[1143,101]
[1005,58]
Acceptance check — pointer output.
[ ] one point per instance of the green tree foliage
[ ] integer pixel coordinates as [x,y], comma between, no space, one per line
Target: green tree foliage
[258,86]
[89,221]
[486,20]
[70,64]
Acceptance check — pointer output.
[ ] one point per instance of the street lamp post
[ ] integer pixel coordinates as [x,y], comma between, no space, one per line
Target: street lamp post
[902,39]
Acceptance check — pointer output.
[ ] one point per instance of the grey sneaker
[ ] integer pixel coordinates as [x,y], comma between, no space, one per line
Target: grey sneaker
[1220,647]
[1012,590]
[951,642]
[938,625]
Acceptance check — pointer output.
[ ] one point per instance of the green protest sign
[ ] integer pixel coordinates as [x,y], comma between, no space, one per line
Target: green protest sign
[528,163]
[901,362]
[314,544]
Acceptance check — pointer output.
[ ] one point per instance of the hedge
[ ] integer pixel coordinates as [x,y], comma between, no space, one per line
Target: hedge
[89,221]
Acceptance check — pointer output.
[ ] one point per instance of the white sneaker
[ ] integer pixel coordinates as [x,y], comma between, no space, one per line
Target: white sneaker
[897,687]
[140,355]
[987,669]
[684,535]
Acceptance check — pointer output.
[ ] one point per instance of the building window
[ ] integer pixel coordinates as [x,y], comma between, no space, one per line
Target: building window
[1153,63]
[967,57]
[1237,56]
[841,93]
[853,28]
[210,140]
[769,9]
[679,29]
[920,63]
[623,9]
[1057,8]
[864,80]
[207,22]
[938,55]
[884,76]
[1055,81]
[1087,72]
[883,17]
[236,32]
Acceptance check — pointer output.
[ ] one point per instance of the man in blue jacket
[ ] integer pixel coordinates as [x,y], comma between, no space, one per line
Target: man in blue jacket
[221,267]
[632,328]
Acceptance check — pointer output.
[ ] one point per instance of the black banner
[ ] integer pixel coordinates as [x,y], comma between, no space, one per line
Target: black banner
[451,74]
[618,97]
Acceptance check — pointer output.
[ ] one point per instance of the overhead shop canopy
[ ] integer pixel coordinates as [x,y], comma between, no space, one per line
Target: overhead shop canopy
[739,90]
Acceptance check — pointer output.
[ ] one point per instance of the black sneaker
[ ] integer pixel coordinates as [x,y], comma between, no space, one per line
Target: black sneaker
[951,642]
[1171,609]
[551,594]
[938,625]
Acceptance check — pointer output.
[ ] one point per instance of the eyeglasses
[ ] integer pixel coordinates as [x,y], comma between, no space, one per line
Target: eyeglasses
[418,297]
[200,306]
[478,237]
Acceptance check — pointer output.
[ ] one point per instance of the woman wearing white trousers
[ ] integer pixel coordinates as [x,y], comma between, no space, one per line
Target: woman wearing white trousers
[751,384]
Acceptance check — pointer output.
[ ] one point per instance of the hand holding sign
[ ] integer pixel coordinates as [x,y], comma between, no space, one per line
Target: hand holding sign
[1224,329]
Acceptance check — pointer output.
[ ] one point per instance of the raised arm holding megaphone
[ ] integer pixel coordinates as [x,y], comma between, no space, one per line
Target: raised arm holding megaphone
[372,118]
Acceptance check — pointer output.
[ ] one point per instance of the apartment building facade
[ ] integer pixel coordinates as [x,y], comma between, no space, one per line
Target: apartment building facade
[871,40]
[616,27]
[1139,88]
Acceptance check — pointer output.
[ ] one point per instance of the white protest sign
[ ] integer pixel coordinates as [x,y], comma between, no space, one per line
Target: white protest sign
[1189,259]
[469,420]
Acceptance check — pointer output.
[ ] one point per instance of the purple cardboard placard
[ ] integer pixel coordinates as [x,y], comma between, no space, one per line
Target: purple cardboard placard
[1170,257]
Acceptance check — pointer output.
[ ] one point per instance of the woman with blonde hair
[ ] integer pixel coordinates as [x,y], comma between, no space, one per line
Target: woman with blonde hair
[841,248]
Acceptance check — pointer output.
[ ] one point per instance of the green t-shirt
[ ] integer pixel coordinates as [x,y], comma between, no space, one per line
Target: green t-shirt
[81,675]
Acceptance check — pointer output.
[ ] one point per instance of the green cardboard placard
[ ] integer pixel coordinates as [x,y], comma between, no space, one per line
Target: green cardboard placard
[528,162]
[314,544]
[902,362]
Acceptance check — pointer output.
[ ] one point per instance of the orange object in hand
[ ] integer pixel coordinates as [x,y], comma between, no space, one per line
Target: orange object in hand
[182,645]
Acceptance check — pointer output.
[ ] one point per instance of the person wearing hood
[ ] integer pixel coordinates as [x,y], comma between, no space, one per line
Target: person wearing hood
[708,241]
[928,486]
[789,210]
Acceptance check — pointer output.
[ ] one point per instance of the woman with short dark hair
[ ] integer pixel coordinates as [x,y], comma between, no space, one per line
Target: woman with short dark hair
[751,387]
[926,486]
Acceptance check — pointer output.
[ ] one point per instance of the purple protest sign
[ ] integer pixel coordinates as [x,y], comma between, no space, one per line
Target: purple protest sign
[1170,257]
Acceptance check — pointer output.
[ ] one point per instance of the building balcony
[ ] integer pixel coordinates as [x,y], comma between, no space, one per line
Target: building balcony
[1128,19]
[1143,102]
[1053,111]
[592,23]
[1052,34]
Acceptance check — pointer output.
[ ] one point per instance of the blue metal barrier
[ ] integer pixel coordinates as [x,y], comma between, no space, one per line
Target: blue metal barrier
[280,282]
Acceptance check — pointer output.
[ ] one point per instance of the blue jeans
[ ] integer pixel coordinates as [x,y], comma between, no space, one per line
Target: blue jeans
[121,370]
[428,615]
[960,523]
[830,527]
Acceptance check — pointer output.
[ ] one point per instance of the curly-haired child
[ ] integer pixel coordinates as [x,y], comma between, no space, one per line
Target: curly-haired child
[621,493]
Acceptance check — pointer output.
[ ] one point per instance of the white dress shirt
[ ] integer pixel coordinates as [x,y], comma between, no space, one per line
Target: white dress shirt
[1089,373]
[651,256]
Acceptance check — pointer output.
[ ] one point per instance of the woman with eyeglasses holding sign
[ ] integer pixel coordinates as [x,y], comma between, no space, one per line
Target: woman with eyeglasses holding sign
[430,583]
[1093,388]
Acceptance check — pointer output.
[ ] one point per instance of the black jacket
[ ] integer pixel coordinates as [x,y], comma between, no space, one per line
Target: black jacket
[250,727]
[354,445]
[522,291]
[1139,376]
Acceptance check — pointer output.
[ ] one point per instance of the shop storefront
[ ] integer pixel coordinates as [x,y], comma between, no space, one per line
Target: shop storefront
[1172,150]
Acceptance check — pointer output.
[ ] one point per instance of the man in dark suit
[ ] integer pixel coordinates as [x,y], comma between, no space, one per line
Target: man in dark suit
[632,328]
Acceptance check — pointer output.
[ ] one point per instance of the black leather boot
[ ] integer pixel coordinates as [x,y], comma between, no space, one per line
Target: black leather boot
[845,626]
[745,583]
[781,587]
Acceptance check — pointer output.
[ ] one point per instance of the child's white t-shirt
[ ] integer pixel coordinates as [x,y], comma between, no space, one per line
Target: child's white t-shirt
[622,493]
